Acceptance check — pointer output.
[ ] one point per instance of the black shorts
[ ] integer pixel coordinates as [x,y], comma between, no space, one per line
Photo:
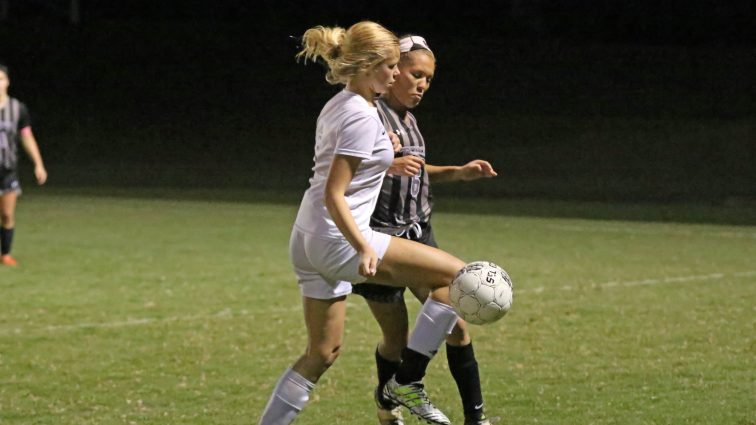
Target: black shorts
[9,182]
[392,294]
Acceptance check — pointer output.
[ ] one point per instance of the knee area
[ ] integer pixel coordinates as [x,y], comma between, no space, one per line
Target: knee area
[392,349]
[325,357]
[449,272]
[6,219]
[459,335]
[454,268]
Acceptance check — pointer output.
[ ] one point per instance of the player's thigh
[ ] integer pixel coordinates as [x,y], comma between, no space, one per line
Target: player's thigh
[412,264]
[325,324]
[426,239]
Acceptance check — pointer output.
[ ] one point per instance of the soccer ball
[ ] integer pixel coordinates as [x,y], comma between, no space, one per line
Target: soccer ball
[481,293]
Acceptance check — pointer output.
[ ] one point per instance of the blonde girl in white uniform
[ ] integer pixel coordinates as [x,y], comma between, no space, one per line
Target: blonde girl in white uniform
[332,245]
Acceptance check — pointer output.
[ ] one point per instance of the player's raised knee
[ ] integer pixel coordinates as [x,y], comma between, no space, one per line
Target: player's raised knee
[326,357]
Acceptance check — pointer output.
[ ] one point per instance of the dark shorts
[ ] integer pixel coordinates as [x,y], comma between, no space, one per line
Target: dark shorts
[9,182]
[392,294]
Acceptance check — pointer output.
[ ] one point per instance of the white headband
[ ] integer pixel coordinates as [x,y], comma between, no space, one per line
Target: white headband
[413,42]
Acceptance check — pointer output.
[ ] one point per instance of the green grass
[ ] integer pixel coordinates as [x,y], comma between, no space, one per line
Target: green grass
[161,307]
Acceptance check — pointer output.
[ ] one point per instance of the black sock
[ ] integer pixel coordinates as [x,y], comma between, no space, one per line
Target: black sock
[412,368]
[6,239]
[386,369]
[464,369]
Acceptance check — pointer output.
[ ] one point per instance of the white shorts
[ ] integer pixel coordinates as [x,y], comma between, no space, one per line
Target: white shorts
[326,268]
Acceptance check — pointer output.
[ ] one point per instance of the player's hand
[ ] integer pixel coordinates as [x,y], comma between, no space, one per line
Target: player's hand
[477,169]
[395,141]
[41,174]
[368,262]
[409,165]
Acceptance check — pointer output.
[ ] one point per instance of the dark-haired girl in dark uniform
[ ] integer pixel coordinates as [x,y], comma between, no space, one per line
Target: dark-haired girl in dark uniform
[15,126]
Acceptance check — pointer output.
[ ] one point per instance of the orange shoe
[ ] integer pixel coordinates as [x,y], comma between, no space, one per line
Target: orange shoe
[7,260]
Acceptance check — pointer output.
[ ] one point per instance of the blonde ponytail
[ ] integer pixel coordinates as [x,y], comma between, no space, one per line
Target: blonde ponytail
[321,42]
[349,52]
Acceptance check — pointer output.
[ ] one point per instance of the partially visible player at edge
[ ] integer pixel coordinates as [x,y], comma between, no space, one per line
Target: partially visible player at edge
[332,244]
[15,125]
[404,209]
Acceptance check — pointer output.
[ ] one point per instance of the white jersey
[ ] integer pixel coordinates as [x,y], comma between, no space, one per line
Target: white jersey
[347,125]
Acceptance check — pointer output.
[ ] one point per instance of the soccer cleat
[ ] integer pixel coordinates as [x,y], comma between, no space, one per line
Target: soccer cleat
[413,397]
[389,413]
[381,401]
[7,260]
[390,417]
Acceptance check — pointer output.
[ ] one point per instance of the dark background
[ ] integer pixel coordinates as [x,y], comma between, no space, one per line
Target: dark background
[600,100]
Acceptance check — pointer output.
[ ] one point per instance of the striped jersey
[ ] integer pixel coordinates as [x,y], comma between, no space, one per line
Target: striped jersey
[403,200]
[13,118]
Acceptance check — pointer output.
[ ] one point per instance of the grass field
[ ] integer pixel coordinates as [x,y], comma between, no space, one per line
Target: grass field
[181,308]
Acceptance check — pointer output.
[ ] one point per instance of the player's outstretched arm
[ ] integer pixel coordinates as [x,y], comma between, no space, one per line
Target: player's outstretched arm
[473,170]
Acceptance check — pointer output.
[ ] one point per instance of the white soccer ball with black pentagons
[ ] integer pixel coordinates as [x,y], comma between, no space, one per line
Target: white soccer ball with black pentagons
[481,293]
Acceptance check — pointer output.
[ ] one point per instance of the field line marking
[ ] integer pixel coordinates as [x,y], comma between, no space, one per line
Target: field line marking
[228,314]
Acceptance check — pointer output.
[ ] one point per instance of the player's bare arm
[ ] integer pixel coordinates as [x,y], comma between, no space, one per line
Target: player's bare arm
[32,149]
[473,170]
[342,172]
[409,165]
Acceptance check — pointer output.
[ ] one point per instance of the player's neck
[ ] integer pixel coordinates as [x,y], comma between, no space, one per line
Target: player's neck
[395,105]
[363,90]
[3,99]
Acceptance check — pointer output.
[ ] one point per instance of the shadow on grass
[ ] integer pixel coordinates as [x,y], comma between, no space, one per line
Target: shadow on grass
[737,212]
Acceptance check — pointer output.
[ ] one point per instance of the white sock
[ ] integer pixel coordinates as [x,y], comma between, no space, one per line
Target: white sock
[289,397]
[434,322]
